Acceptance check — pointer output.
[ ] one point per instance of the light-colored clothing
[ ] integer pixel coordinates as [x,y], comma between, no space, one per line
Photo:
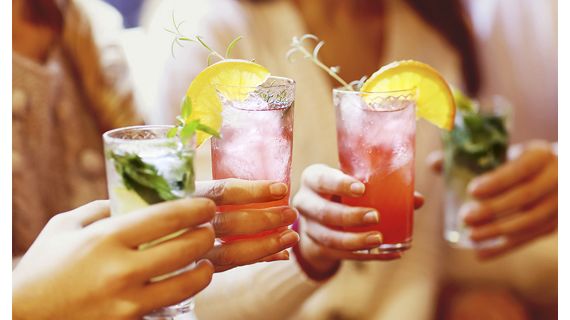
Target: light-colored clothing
[404,289]
[59,110]
[374,290]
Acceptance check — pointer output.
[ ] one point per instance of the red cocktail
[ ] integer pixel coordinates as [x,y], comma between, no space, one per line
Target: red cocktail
[376,141]
[256,136]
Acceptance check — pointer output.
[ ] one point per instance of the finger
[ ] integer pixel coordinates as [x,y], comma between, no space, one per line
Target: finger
[176,289]
[531,191]
[545,210]
[419,200]
[237,191]
[162,219]
[315,207]
[280,256]
[86,214]
[249,251]
[510,174]
[435,161]
[347,255]
[252,221]
[513,242]
[326,180]
[176,253]
[339,240]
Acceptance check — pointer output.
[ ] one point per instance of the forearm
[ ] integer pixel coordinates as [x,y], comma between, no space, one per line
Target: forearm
[253,292]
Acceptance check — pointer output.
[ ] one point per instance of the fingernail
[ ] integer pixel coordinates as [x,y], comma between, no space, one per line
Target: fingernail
[371,217]
[288,238]
[374,238]
[357,188]
[288,215]
[278,189]
[473,186]
[469,211]
[284,255]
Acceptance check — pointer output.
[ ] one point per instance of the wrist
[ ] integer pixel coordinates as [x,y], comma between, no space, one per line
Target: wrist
[314,265]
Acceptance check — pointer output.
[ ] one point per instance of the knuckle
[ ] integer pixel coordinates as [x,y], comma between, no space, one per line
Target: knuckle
[116,278]
[177,222]
[210,233]
[326,239]
[272,245]
[217,190]
[221,223]
[321,212]
[300,199]
[311,172]
[225,257]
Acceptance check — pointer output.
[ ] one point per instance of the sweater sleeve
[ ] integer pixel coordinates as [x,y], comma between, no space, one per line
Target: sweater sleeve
[253,292]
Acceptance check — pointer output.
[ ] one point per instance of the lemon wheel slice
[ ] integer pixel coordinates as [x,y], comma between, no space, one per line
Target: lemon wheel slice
[434,100]
[206,105]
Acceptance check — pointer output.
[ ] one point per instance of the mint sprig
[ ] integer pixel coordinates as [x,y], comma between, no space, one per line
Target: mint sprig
[479,141]
[186,128]
[142,178]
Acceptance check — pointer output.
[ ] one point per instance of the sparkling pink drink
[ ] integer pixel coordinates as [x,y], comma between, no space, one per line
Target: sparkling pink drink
[256,137]
[376,141]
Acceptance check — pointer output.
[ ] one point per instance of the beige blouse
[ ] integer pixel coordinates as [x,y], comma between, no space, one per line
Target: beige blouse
[404,289]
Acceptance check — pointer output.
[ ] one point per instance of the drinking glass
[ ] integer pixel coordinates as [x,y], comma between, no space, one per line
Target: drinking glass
[256,137]
[136,158]
[376,145]
[476,145]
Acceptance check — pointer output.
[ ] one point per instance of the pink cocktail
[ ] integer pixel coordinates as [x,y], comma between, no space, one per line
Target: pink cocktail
[376,141]
[256,136]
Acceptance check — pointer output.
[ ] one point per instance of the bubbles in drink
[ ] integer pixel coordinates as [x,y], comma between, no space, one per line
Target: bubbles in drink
[375,138]
[256,142]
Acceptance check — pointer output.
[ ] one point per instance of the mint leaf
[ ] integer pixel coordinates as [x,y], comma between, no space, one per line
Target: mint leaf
[172,132]
[186,109]
[208,130]
[188,131]
[142,178]
[479,141]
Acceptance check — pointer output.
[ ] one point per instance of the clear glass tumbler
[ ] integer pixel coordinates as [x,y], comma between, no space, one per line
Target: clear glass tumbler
[376,145]
[476,145]
[145,167]
[256,136]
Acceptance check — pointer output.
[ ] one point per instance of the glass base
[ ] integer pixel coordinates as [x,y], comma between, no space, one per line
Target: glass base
[182,311]
[387,248]
[461,240]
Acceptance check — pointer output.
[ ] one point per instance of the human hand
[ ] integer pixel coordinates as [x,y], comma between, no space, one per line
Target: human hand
[322,246]
[84,266]
[517,202]
[270,247]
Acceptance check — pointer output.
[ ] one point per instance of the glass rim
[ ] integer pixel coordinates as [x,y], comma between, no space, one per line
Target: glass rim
[108,138]
[346,91]
[289,82]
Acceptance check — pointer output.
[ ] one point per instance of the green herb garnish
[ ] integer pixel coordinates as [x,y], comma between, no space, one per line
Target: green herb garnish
[479,141]
[142,178]
[186,128]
